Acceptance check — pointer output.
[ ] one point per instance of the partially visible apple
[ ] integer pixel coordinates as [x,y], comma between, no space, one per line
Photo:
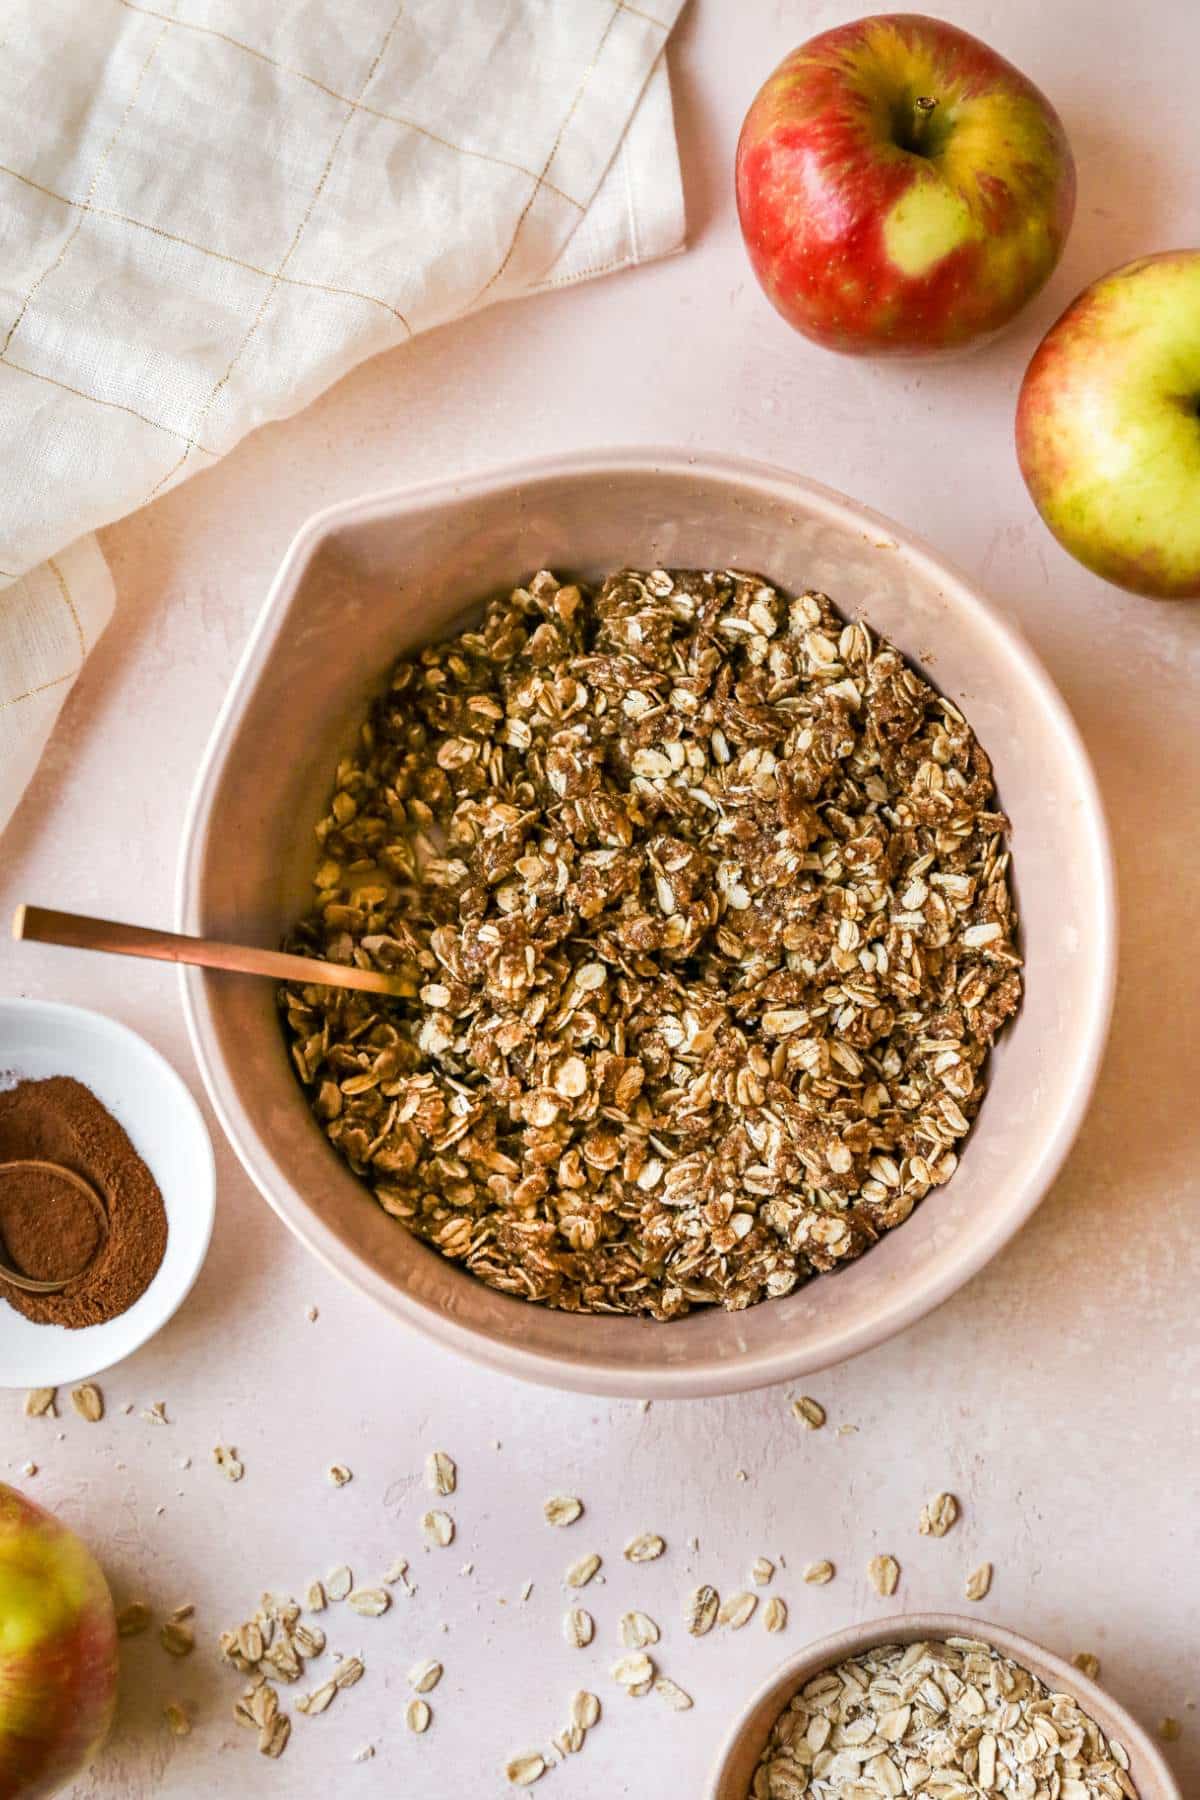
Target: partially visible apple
[58,1651]
[902,189]
[1108,426]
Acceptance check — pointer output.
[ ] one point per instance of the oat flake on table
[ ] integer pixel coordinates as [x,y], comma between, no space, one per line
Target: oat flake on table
[701,1610]
[695,897]
[938,1516]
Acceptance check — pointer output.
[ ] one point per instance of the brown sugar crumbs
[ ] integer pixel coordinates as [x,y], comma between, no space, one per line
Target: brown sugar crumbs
[696,897]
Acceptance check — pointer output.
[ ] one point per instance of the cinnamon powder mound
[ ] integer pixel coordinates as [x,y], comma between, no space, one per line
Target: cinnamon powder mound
[59,1120]
[47,1225]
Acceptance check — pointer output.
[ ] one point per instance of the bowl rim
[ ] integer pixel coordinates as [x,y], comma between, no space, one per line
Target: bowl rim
[201,1203]
[635,1376]
[911,1627]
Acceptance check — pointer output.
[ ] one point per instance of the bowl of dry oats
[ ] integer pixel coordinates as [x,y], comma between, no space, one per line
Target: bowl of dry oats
[932,1704]
[741,893]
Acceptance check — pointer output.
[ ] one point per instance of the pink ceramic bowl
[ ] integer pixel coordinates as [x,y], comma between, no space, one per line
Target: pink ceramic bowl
[746,1742]
[373,577]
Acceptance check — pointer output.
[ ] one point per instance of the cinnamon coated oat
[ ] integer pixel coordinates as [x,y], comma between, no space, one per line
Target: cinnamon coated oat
[696,897]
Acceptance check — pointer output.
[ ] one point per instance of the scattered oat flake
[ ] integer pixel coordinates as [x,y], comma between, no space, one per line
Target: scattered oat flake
[1087,1664]
[523,1771]
[29,1468]
[397,1572]
[700,1613]
[39,1403]
[423,1677]
[637,1629]
[156,1414]
[737,1611]
[441,1473]
[339,1474]
[272,1740]
[314,1596]
[339,1582]
[845,1430]
[438,1528]
[562,1509]
[527,1590]
[133,1619]
[775,1614]
[581,1572]
[228,1461]
[88,1402]
[633,1671]
[884,1572]
[585,1709]
[579,1627]
[670,1691]
[177,1639]
[979,1582]
[818,1573]
[309,1640]
[938,1515]
[369,1603]
[645,1548]
[350,1670]
[363,1754]
[810,1411]
[1170,1730]
[316,1702]
[761,1571]
[178,1722]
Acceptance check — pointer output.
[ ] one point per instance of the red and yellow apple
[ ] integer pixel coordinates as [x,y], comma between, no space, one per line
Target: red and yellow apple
[902,189]
[1108,427]
[58,1651]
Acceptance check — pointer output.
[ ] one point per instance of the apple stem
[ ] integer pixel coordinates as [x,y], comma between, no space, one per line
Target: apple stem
[923,108]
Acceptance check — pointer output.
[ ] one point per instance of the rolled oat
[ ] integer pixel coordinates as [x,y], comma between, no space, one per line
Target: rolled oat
[695,900]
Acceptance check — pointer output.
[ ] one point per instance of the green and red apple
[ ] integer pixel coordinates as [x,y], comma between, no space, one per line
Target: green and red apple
[902,189]
[58,1651]
[1108,427]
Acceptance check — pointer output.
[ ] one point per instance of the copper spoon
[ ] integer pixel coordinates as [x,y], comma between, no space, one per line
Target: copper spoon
[15,1277]
[42,925]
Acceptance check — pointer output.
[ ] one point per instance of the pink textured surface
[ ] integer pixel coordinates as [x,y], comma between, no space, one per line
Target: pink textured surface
[1055,1394]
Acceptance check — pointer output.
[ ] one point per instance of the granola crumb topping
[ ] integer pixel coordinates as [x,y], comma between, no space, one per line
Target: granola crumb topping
[695,898]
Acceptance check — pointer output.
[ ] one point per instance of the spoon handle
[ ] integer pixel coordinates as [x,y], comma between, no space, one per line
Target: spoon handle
[43,925]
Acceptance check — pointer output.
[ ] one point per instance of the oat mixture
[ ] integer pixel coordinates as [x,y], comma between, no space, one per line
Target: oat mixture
[951,1720]
[696,901]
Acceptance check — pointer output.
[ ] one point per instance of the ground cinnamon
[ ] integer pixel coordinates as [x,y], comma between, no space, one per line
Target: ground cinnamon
[59,1120]
[48,1229]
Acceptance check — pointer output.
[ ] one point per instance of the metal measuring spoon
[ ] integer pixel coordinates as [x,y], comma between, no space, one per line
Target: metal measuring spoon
[13,1171]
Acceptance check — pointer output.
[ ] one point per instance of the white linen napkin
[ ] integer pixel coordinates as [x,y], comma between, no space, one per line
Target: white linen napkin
[212,209]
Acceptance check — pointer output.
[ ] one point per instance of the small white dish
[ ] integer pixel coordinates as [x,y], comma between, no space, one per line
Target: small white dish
[144,1094]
